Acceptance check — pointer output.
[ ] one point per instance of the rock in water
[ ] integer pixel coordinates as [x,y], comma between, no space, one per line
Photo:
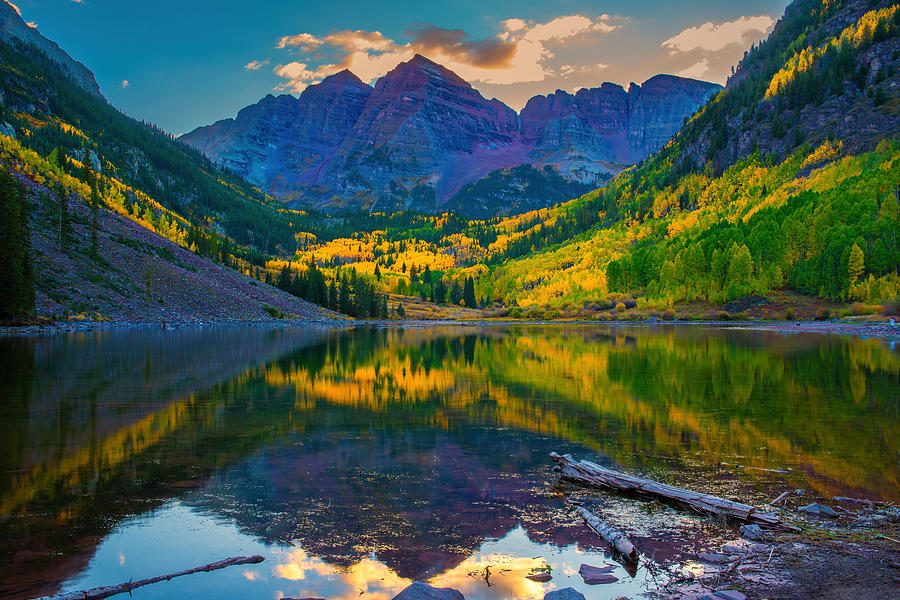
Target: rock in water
[817,510]
[539,577]
[564,594]
[422,591]
[753,532]
[594,575]
[729,595]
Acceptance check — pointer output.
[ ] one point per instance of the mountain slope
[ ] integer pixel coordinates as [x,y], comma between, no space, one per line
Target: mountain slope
[787,178]
[12,27]
[422,134]
[52,114]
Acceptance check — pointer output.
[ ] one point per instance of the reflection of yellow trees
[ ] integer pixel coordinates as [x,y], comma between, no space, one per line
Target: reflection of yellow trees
[80,467]
[663,392]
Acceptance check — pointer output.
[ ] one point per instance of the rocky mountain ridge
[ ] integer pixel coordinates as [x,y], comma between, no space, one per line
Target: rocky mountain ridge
[13,27]
[422,133]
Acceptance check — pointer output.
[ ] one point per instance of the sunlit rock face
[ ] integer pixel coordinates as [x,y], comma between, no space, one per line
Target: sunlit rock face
[422,133]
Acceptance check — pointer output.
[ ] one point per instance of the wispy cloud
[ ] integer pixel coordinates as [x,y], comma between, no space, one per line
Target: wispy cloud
[519,53]
[32,24]
[256,65]
[125,83]
[15,8]
[714,37]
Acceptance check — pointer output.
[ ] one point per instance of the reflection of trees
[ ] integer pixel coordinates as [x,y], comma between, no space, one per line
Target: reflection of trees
[426,441]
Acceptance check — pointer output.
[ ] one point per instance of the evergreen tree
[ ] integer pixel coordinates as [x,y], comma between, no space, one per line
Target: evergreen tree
[469,293]
[455,293]
[65,223]
[16,273]
[440,292]
[377,272]
[95,219]
[401,312]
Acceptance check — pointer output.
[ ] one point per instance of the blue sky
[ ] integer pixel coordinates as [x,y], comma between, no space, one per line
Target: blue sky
[192,62]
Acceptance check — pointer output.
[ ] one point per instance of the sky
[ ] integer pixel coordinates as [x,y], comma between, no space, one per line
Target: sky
[184,63]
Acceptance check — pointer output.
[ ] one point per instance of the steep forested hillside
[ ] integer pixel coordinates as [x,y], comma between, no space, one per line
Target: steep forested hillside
[55,117]
[788,178]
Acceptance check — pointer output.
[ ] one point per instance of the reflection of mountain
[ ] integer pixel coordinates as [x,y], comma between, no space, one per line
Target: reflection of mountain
[422,501]
[417,444]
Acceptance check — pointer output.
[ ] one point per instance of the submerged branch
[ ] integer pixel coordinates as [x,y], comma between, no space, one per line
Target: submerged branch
[98,593]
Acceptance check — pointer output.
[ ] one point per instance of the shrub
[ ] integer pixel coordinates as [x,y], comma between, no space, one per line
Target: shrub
[891,308]
[789,314]
[620,307]
[858,308]
[668,314]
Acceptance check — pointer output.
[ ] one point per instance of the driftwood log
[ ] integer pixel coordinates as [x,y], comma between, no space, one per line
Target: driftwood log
[593,475]
[615,538]
[98,593]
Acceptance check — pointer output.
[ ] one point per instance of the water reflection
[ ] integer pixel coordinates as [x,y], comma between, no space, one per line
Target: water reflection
[392,455]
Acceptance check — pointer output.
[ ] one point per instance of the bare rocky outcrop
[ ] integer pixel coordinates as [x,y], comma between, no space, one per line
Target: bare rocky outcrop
[422,133]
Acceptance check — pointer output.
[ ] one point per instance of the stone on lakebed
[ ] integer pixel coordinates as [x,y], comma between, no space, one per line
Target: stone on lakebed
[594,575]
[422,591]
[564,594]
[817,510]
[539,577]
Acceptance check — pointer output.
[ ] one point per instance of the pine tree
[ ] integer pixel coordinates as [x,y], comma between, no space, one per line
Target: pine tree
[377,272]
[95,219]
[469,293]
[16,273]
[455,293]
[401,312]
[65,223]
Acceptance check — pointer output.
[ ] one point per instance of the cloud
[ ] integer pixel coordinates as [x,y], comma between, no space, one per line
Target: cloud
[15,8]
[695,71]
[32,24]
[519,53]
[256,65]
[304,40]
[125,83]
[712,37]
[487,54]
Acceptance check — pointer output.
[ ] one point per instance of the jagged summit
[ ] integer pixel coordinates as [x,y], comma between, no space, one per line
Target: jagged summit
[422,132]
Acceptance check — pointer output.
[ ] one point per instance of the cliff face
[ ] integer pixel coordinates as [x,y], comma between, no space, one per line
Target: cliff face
[13,28]
[422,133]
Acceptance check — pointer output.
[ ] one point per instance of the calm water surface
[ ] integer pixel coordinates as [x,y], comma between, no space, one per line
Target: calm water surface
[357,461]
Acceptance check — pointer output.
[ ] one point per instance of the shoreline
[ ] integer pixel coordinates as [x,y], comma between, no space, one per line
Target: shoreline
[864,330]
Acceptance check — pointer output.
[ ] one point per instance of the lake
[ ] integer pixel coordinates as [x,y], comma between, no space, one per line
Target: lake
[358,460]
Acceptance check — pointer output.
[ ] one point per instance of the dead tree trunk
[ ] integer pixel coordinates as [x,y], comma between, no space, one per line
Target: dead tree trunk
[615,538]
[98,593]
[593,475]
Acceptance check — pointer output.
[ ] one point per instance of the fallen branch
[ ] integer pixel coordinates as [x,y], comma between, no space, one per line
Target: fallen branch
[593,475]
[615,538]
[780,498]
[860,501]
[98,593]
